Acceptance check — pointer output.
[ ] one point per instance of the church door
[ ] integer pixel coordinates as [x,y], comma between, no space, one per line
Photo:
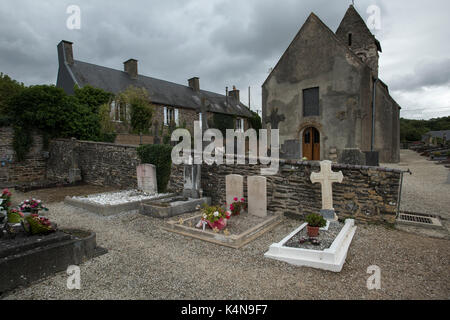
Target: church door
[311,143]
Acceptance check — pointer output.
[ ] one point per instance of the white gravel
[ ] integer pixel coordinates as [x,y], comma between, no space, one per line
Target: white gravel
[119,197]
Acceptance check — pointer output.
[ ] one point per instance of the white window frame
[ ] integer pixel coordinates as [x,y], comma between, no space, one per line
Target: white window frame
[240,125]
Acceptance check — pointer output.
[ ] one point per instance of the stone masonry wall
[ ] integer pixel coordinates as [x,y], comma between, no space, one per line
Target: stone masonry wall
[367,193]
[104,164]
[33,168]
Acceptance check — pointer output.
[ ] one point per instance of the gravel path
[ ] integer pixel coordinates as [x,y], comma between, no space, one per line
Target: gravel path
[145,262]
[427,190]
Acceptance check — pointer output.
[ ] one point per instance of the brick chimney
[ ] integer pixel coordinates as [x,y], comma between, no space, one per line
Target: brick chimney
[131,67]
[234,93]
[65,52]
[194,83]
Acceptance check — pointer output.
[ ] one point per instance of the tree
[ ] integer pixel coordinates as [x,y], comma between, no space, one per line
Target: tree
[137,101]
[92,97]
[8,89]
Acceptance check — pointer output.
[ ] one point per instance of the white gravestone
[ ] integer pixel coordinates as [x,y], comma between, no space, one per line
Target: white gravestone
[257,195]
[146,176]
[234,188]
[326,177]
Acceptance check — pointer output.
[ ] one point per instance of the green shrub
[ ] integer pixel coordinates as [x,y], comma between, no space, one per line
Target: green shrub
[223,122]
[22,142]
[160,156]
[255,122]
[316,220]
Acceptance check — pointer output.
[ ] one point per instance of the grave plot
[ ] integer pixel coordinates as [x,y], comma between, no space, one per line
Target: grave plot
[32,247]
[110,203]
[327,250]
[174,205]
[230,230]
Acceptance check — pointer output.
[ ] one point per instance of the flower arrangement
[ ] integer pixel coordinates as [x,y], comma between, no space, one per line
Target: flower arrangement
[6,197]
[237,206]
[215,216]
[32,205]
[38,225]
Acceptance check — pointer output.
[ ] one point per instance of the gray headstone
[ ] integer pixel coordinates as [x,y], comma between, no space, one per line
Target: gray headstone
[352,156]
[257,196]
[146,176]
[234,186]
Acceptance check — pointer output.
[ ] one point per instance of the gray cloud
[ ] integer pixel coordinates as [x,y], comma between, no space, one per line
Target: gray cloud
[225,43]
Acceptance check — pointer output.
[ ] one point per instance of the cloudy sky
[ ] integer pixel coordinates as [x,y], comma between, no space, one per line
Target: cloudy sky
[226,43]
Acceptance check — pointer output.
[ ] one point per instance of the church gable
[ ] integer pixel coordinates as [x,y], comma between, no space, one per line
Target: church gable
[311,52]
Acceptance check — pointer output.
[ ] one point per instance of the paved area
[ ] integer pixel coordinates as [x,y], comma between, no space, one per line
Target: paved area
[145,262]
[427,190]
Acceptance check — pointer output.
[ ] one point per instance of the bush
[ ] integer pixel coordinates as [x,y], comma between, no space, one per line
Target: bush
[92,97]
[255,122]
[160,156]
[316,220]
[141,110]
[223,122]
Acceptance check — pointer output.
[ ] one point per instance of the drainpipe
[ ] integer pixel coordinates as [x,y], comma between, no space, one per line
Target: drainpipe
[399,198]
[373,113]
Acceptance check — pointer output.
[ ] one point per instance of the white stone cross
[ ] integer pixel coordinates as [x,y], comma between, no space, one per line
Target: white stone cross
[326,177]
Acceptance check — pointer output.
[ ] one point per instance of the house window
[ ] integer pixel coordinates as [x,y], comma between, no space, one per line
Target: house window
[349,39]
[171,116]
[311,102]
[118,111]
[240,125]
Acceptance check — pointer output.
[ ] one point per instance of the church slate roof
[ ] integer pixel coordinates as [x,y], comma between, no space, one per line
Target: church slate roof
[160,91]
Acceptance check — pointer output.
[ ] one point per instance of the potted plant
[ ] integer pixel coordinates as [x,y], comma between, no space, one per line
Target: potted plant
[34,225]
[215,216]
[315,222]
[237,206]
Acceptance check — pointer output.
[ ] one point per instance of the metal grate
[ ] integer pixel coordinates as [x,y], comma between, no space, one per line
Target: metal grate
[419,219]
[414,218]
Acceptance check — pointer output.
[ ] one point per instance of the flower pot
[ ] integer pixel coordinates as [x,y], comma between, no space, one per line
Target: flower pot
[312,231]
[219,224]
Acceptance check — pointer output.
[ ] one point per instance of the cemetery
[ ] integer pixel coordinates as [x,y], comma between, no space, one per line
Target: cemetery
[230,211]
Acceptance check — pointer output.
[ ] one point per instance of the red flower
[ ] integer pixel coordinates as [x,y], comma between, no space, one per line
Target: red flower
[235,199]
[242,200]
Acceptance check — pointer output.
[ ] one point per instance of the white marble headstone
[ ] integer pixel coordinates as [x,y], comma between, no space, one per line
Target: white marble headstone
[146,176]
[234,186]
[257,195]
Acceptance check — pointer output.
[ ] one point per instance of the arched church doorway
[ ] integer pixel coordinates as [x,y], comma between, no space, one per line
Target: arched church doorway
[311,143]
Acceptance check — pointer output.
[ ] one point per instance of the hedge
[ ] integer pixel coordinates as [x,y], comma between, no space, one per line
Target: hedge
[160,156]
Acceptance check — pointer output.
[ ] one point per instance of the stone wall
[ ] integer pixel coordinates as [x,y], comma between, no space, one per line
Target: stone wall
[367,193]
[33,168]
[106,164]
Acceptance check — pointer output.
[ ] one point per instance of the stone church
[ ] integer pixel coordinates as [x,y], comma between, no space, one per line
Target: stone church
[324,95]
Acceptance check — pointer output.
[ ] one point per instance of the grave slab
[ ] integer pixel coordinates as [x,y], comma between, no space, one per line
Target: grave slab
[233,240]
[331,259]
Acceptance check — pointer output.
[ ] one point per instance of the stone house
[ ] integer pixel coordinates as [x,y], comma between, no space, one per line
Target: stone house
[324,94]
[175,103]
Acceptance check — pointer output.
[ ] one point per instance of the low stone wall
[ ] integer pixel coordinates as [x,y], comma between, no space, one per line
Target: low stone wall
[367,193]
[105,164]
[33,168]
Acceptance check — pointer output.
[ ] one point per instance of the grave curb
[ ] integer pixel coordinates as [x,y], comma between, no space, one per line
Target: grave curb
[231,241]
[26,267]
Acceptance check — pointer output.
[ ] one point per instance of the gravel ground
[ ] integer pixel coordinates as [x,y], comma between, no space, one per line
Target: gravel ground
[427,190]
[145,262]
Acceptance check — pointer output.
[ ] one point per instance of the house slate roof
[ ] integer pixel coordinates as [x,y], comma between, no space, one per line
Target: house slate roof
[437,134]
[160,91]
